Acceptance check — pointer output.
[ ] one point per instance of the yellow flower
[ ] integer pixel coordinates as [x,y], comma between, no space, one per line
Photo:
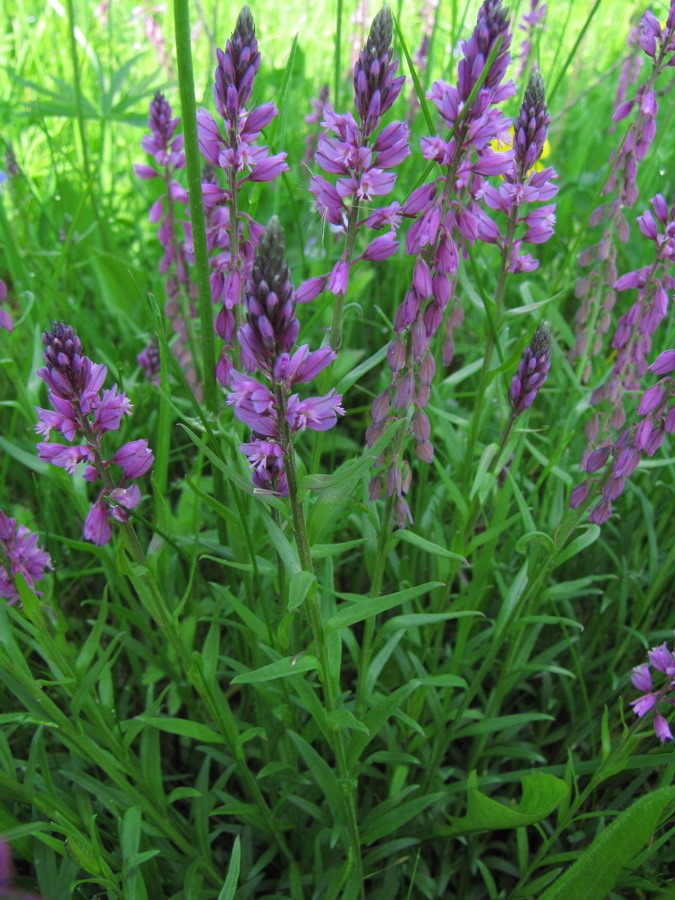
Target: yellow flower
[499,147]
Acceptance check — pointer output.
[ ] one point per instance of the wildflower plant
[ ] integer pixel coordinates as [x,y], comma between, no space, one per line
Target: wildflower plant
[367,613]
[19,553]
[82,408]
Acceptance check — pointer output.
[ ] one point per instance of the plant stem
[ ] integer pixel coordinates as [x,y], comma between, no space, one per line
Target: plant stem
[319,635]
[194,178]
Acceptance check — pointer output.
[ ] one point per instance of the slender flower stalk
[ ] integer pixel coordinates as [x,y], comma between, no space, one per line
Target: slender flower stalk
[19,552]
[82,407]
[267,339]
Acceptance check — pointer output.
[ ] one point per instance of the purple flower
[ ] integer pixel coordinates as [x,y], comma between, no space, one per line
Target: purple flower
[6,321]
[664,363]
[19,552]
[532,370]
[375,87]
[268,345]
[662,660]
[237,153]
[80,406]
[353,151]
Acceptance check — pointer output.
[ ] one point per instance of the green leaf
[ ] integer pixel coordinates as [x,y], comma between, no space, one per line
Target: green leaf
[184,727]
[541,794]
[367,607]
[590,535]
[387,820]
[231,879]
[595,873]
[414,620]
[282,668]
[342,718]
[435,549]
[298,588]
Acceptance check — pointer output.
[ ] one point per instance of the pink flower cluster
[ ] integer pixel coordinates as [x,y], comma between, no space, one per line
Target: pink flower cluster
[19,552]
[81,406]
[633,337]
[662,660]
[170,158]
[657,412]
[347,149]
[596,290]
[267,340]
[237,153]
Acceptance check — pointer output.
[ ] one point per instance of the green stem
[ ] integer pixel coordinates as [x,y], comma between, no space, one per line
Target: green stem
[375,589]
[338,309]
[489,347]
[319,635]
[194,179]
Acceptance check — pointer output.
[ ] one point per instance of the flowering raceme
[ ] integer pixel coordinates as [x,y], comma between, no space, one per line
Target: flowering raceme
[267,341]
[242,159]
[633,337]
[361,159]
[82,407]
[170,158]
[596,290]
[657,418]
[443,222]
[523,184]
[532,371]
[19,552]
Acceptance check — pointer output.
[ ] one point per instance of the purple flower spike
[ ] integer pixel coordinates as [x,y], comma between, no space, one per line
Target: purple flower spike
[267,342]
[271,324]
[375,87]
[19,552]
[231,234]
[662,660]
[236,69]
[80,406]
[531,124]
[532,370]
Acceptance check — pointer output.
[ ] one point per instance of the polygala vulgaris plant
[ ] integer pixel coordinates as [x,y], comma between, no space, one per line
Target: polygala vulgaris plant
[83,408]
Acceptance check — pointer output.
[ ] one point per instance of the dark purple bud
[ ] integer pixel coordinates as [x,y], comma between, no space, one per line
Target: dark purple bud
[425,451]
[664,364]
[613,488]
[380,407]
[396,355]
[236,68]
[272,326]
[597,459]
[492,24]
[421,426]
[601,512]
[404,392]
